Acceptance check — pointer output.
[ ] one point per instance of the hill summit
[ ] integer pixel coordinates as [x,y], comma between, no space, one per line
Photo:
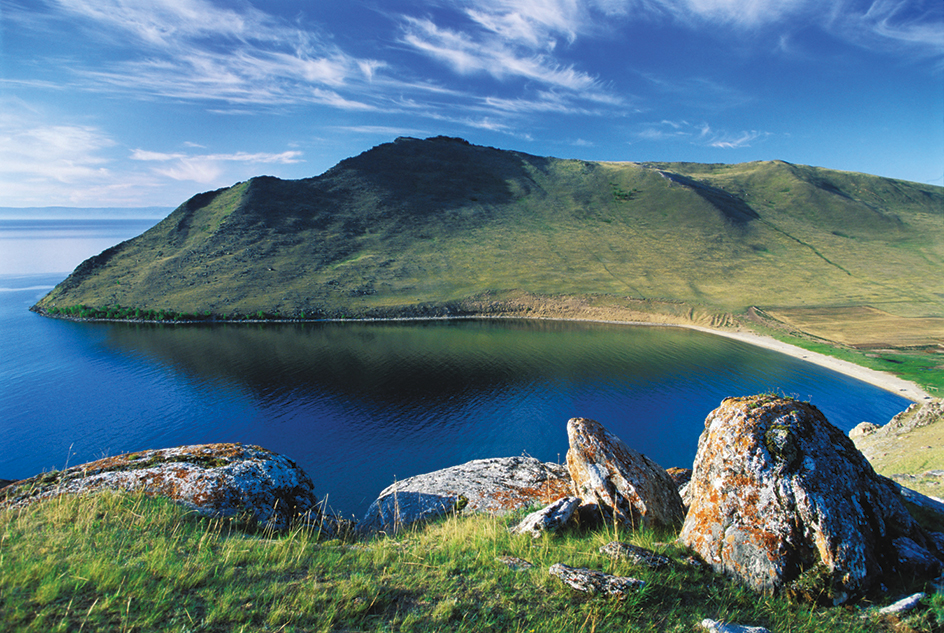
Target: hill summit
[441,226]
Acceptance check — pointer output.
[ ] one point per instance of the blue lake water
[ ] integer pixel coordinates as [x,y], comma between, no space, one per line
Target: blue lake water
[359,405]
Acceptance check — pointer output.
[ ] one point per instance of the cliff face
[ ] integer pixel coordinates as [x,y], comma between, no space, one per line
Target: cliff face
[438,222]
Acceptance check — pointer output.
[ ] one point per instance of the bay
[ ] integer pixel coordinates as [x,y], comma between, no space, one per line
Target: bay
[360,405]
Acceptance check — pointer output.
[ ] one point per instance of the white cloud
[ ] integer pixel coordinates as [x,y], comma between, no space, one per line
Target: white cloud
[700,134]
[206,168]
[195,50]
[489,55]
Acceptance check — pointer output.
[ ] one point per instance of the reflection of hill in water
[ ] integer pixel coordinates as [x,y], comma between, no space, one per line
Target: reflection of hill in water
[390,362]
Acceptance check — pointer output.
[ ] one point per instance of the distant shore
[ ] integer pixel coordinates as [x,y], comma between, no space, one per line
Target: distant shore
[882,380]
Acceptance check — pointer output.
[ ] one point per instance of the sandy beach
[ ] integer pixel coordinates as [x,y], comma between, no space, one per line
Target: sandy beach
[888,382]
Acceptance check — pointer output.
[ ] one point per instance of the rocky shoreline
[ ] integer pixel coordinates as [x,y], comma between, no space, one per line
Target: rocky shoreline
[777,498]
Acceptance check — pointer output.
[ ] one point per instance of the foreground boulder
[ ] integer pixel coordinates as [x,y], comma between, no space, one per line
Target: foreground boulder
[213,479]
[626,486]
[781,499]
[493,486]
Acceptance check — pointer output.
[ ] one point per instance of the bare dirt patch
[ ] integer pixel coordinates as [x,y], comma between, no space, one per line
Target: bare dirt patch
[863,327]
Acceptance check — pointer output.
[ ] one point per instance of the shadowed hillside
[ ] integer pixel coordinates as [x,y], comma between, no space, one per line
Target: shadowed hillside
[439,225]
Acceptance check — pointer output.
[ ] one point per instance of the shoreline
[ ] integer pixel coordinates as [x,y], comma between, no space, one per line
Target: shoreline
[882,380]
[888,382]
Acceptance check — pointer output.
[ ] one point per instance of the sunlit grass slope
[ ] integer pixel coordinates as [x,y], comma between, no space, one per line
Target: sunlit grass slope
[112,562]
[413,226]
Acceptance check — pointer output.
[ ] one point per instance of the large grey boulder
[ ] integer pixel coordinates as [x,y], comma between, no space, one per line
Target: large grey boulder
[782,499]
[214,479]
[493,486]
[624,484]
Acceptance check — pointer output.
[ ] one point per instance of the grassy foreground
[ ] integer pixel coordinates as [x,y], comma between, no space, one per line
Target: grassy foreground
[119,562]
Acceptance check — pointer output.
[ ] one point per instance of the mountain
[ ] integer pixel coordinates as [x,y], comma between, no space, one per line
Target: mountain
[435,226]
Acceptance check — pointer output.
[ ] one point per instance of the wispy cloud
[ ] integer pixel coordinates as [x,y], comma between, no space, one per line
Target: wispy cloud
[195,50]
[467,54]
[699,134]
[206,168]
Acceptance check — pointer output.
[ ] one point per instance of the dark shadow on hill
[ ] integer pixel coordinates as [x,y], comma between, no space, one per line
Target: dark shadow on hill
[440,173]
[734,209]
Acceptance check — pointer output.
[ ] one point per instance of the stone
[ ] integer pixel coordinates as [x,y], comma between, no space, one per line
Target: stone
[212,479]
[492,486]
[681,476]
[514,563]
[548,519]
[635,554]
[912,556]
[782,500]
[596,582]
[626,485]
[716,626]
[902,606]
[863,429]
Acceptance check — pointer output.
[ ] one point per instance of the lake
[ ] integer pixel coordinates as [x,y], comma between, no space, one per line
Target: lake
[360,405]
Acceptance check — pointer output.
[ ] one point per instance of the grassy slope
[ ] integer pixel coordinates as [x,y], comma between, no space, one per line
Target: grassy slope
[417,227]
[123,563]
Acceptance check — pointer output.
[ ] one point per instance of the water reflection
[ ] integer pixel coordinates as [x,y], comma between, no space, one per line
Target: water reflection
[367,402]
[358,405]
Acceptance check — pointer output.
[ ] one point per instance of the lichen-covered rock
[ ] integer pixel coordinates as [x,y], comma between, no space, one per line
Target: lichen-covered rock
[493,486]
[596,582]
[716,626]
[635,554]
[625,484]
[213,479]
[781,499]
[548,519]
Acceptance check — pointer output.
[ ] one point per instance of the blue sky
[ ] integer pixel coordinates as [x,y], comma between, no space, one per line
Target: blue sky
[122,103]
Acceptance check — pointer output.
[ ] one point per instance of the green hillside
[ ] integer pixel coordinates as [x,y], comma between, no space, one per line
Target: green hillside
[439,225]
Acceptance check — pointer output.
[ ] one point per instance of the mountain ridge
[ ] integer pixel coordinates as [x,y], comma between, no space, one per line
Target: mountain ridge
[416,227]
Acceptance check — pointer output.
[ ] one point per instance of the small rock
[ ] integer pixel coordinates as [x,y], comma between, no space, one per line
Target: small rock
[548,519]
[902,606]
[862,429]
[680,476]
[596,582]
[722,627]
[492,486]
[634,554]
[514,563]
[915,558]
[630,487]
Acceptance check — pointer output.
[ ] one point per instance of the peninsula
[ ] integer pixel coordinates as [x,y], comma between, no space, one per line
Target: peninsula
[441,227]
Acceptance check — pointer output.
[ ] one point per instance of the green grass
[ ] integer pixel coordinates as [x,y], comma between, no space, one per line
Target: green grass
[132,563]
[437,222]
[920,366]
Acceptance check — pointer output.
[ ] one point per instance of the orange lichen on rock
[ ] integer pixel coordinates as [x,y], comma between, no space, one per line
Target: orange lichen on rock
[623,483]
[780,497]
[216,479]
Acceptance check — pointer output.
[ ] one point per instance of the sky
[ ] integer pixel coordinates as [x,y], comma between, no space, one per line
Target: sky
[134,103]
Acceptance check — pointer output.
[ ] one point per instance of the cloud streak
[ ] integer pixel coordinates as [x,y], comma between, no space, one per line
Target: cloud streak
[198,51]
[206,168]
[700,134]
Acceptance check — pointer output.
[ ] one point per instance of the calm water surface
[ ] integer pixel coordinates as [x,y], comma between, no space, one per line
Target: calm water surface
[359,405]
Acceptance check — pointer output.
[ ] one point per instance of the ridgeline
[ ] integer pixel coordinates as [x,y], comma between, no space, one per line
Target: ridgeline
[442,227]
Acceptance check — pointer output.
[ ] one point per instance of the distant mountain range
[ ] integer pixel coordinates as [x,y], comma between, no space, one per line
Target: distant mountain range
[440,226]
